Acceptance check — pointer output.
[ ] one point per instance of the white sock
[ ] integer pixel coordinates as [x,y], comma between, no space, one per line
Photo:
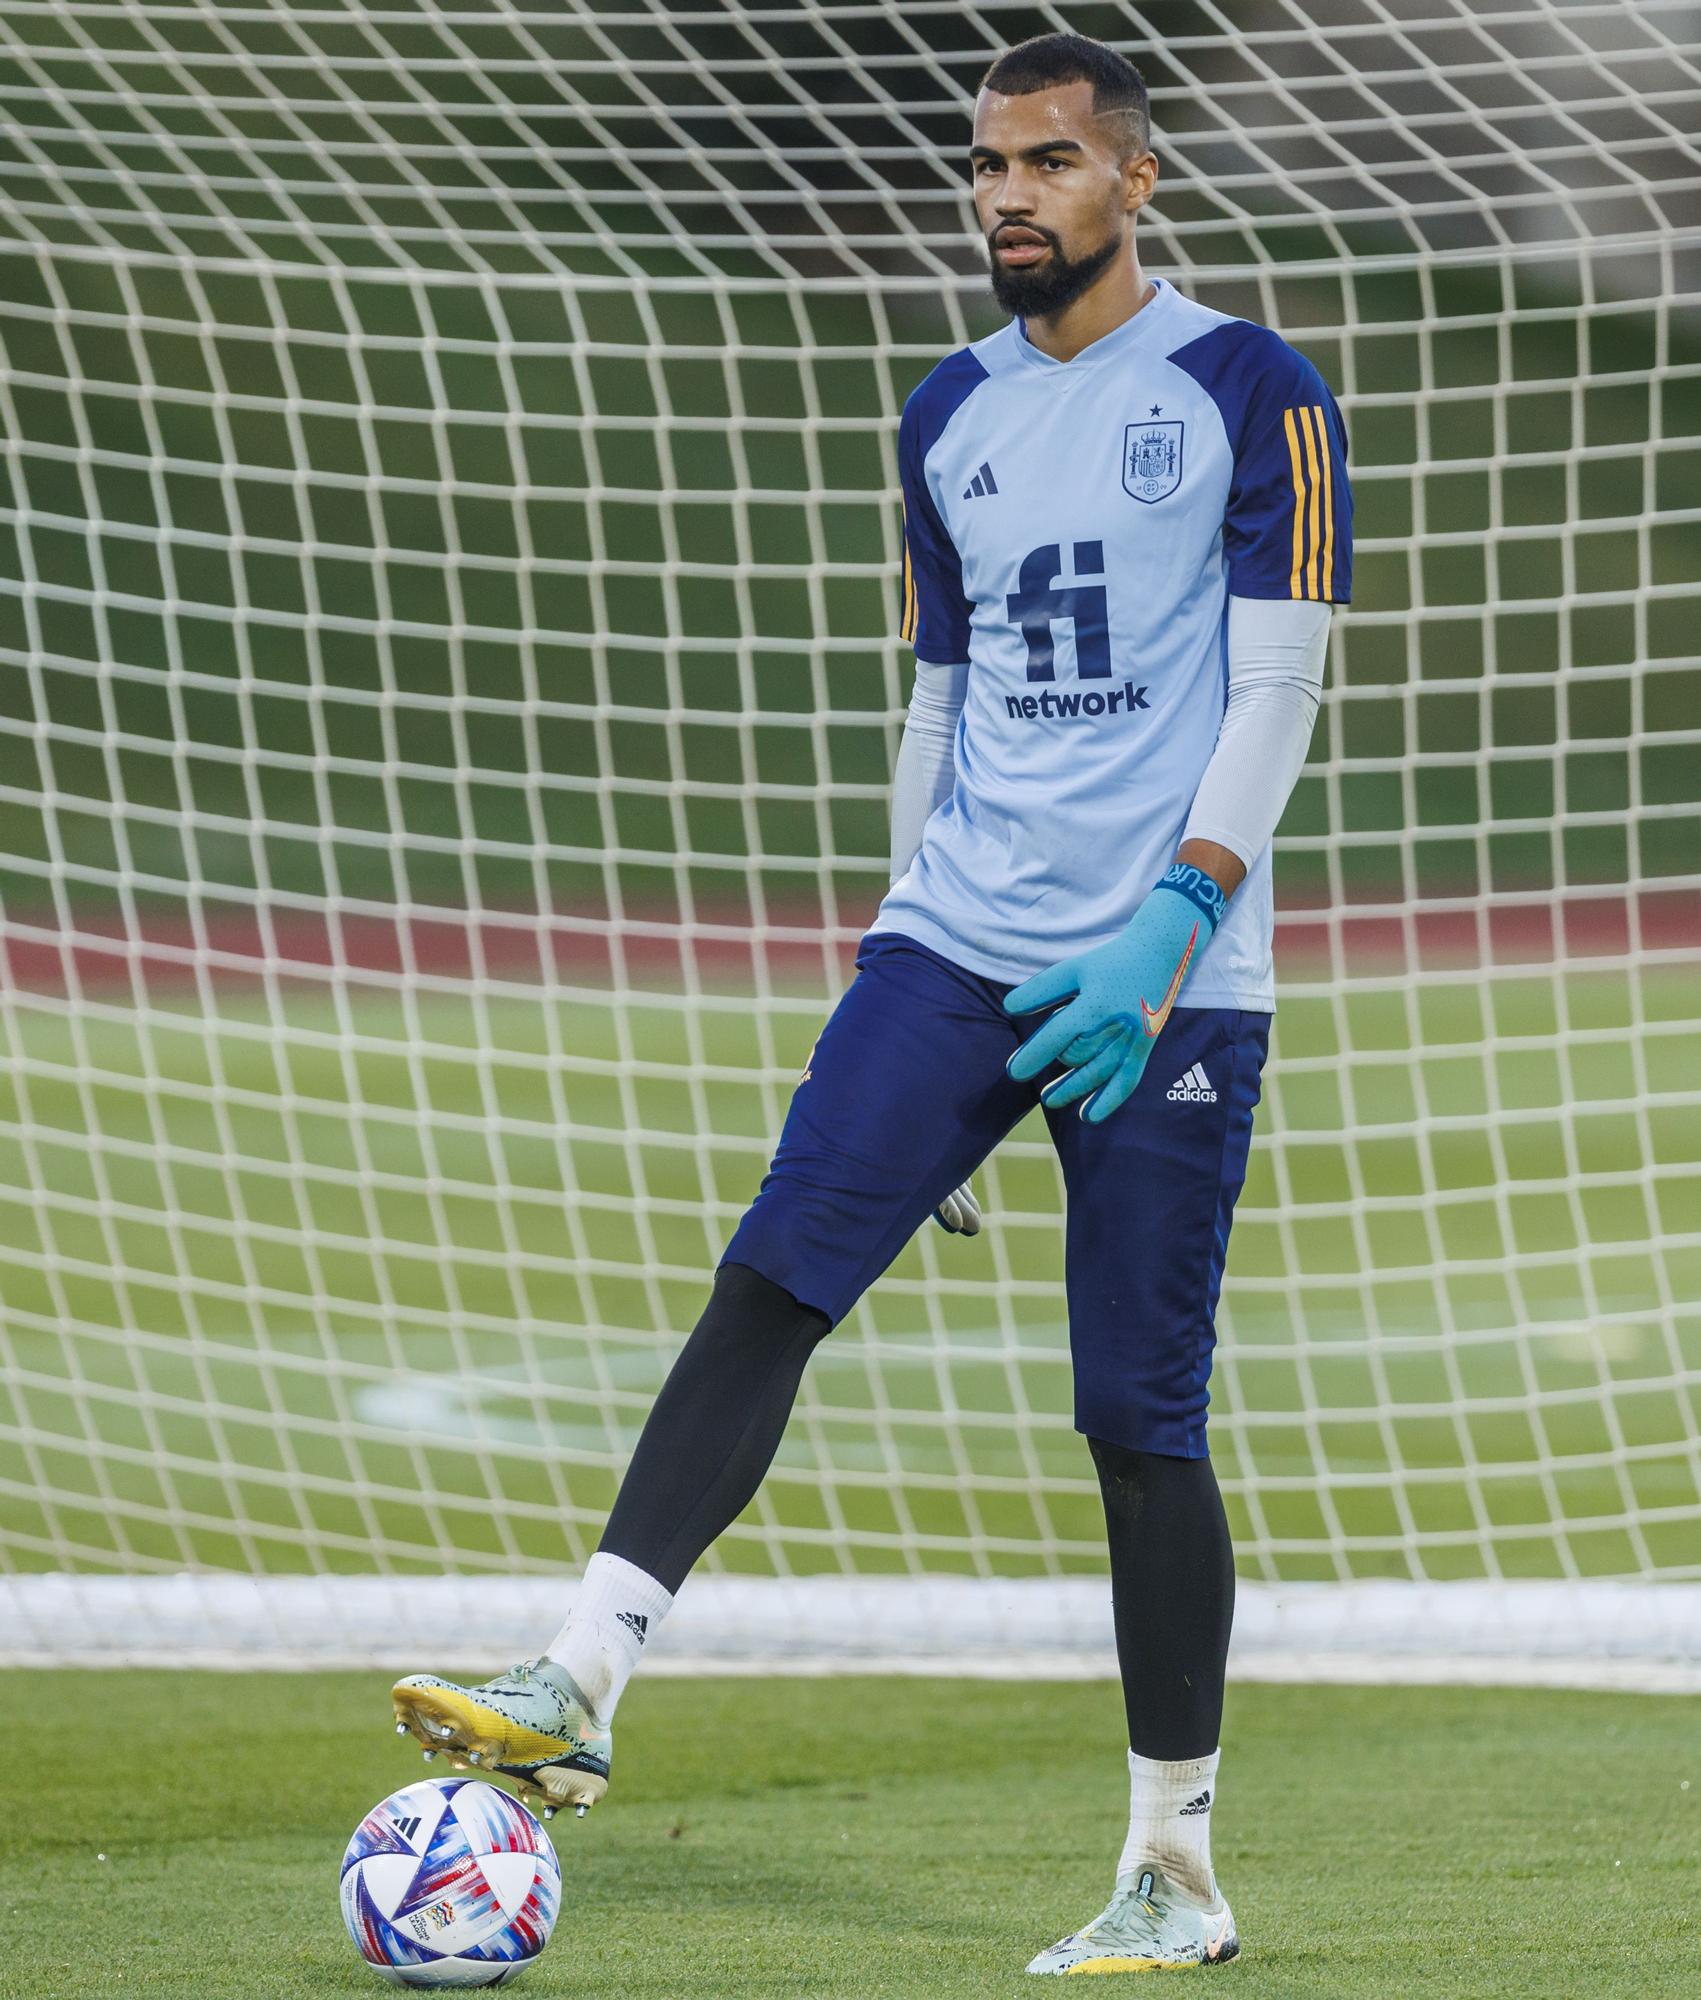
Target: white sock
[1169,1821]
[616,1609]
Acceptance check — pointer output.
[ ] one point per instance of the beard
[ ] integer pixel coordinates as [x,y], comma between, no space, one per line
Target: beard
[1035,292]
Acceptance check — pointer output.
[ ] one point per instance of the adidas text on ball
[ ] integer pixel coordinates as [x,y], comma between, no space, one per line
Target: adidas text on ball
[450,1883]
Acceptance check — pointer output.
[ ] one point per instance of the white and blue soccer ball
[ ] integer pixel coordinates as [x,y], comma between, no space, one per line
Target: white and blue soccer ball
[450,1883]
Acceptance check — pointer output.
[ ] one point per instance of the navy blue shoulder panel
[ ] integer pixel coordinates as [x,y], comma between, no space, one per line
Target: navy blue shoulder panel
[1287,528]
[1239,363]
[937,397]
[935,610]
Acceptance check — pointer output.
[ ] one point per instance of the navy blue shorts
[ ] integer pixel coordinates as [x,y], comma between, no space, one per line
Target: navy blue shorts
[905,1094]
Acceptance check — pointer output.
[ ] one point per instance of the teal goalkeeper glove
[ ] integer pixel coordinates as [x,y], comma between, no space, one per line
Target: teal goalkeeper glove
[1120,996]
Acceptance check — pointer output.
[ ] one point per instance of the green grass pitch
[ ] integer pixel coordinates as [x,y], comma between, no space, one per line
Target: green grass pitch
[444,1390]
[869,1838]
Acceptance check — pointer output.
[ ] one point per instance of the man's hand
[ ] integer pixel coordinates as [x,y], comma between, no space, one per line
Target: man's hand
[1119,997]
[959,1214]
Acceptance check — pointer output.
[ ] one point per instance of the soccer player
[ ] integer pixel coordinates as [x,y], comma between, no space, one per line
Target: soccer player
[1126,518]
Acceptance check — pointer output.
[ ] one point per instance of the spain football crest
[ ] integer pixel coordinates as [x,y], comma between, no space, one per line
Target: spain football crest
[1151,458]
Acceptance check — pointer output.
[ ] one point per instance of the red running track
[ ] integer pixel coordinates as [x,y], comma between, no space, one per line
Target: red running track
[172,950]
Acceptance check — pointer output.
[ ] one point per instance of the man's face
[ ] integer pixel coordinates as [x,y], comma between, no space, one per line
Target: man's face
[1054,191]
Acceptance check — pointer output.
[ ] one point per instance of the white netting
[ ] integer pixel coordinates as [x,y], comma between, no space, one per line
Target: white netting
[449,703]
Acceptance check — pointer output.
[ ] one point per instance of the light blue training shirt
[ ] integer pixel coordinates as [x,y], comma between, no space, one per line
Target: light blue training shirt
[1074,531]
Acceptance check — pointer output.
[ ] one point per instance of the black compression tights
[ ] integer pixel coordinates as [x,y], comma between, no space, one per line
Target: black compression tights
[714,1429]
[1172,1587]
[718,1421]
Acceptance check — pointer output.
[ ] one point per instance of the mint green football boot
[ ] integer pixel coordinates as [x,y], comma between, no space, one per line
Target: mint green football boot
[530,1725]
[1149,1925]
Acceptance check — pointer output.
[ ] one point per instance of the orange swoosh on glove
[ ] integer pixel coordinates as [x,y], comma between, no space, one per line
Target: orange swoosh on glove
[1154,1021]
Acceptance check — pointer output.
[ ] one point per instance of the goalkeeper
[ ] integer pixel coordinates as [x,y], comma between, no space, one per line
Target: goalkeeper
[1126,518]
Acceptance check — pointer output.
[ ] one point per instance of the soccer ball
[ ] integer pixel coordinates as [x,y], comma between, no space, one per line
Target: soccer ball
[450,1883]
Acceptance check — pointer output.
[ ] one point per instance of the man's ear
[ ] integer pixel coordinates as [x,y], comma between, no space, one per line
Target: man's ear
[1139,179]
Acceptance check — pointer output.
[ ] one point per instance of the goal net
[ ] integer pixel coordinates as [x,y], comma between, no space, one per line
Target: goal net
[449,694]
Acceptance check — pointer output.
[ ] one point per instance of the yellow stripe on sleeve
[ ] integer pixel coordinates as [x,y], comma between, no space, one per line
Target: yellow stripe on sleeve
[1298,501]
[1316,538]
[906,629]
[1328,506]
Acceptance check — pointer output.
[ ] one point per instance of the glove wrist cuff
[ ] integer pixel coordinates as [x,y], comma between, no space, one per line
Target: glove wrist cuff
[1205,895]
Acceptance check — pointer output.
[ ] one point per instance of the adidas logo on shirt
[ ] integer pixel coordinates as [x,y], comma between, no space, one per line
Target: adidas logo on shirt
[1193,1088]
[981,485]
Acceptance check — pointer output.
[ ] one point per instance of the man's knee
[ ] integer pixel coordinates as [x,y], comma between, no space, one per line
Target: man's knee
[748,1313]
[1117,1461]
[1129,1474]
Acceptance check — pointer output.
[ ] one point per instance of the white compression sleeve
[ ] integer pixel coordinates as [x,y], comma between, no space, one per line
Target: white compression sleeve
[927,759]
[1276,651]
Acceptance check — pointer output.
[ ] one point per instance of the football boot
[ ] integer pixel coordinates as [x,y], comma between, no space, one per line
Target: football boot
[529,1725]
[1149,1925]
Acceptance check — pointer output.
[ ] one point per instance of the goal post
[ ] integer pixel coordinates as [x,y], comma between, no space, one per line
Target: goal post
[448,539]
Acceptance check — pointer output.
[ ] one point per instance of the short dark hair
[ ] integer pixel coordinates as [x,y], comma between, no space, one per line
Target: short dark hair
[1118,87]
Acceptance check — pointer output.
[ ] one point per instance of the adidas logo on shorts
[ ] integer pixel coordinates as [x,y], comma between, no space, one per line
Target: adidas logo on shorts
[1193,1088]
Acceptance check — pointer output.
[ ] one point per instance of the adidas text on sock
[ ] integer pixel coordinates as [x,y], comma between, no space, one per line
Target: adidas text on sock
[615,1611]
[1169,1821]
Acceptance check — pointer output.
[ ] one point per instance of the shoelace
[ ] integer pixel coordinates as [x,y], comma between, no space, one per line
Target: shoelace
[516,1675]
[527,1672]
[1129,1911]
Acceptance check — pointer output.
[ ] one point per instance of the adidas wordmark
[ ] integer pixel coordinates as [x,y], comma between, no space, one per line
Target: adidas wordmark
[1193,1088]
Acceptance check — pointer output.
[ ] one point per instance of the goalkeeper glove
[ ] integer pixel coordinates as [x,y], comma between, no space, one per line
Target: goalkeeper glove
[959,1214]
[1119,997]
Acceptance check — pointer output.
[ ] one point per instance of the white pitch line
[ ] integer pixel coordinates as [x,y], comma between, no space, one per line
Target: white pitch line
[465,1403]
